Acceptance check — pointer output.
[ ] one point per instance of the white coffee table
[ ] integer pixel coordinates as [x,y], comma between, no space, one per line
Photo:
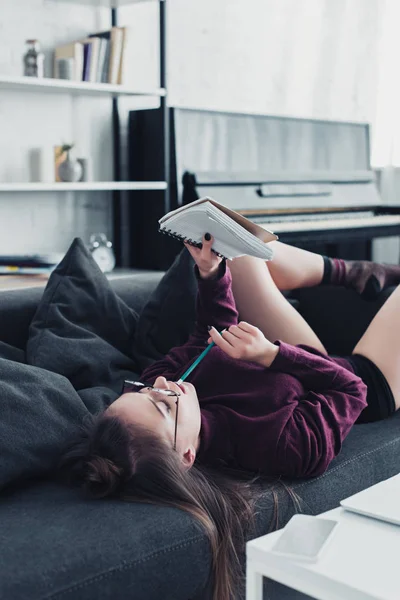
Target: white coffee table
[361,562]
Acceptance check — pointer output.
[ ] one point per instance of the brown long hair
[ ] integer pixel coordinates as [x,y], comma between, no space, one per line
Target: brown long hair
[113,458]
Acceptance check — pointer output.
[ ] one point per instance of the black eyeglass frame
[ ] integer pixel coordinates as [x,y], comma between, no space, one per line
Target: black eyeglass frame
[144,386]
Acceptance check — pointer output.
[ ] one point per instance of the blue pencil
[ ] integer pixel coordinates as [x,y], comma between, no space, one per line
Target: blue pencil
[196,362]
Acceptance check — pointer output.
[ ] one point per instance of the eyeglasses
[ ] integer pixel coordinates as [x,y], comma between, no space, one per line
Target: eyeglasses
[138,386]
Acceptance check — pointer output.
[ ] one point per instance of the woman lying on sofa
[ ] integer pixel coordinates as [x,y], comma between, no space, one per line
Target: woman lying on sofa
[274,408]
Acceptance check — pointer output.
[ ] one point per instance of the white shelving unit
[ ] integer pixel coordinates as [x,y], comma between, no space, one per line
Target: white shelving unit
[86,186]
[104,3]
[77,88]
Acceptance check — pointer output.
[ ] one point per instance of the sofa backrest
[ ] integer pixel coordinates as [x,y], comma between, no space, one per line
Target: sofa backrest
[17,307]
[338,316]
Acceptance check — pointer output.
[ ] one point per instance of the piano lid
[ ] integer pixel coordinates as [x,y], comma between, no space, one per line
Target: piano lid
[278,177]
[253,193]
[254,162]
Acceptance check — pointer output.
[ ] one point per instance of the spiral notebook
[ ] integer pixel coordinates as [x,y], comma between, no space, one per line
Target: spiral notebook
[234,235]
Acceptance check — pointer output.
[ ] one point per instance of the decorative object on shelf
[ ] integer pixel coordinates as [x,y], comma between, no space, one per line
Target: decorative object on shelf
[65,68]
[67,169]
[86,165]
[41,165]
[72,52]
[102,252]
[33,59]
[59,156]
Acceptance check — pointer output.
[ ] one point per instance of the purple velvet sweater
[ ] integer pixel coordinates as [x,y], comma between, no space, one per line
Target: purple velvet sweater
[289,419]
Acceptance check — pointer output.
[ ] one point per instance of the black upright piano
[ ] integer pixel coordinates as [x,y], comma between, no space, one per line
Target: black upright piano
[309,181]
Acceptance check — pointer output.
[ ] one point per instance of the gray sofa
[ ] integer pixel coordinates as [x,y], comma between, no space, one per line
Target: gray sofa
[56,545]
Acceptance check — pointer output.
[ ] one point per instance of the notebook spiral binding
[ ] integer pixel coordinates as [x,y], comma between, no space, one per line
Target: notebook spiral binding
[182,238]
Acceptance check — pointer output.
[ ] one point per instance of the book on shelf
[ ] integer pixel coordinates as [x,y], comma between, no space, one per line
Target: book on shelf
[98,58]
[103,58]
[233,234]
[28,264]
[14,270]
[117,46]
[70,52]
[104,65]
[123,55]
[87,52]
[91,58]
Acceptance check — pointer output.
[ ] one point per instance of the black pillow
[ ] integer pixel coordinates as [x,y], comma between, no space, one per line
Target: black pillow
[168,318]
[78,354]
[39,412]
[81,328]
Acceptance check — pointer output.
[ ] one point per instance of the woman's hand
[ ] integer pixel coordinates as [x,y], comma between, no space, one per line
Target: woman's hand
[206,260]
[246,342]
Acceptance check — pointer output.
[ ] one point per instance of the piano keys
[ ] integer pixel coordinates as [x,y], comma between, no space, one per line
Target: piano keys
[322,227]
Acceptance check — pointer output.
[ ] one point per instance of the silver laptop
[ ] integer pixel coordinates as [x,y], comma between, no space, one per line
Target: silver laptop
[381,501]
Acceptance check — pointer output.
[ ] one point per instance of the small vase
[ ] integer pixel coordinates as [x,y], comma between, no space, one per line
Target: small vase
[33,60]
[70,170]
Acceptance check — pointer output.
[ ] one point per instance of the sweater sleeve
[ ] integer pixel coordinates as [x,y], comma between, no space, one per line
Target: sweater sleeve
[215,305]
[320,419]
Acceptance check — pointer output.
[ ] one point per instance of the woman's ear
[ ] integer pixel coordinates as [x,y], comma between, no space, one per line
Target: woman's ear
[188,457]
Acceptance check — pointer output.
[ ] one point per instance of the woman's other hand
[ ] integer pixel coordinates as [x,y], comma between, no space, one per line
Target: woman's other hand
[206,260]
[245,342]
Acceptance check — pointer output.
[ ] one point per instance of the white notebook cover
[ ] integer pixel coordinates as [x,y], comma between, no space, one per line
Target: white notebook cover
[234,235]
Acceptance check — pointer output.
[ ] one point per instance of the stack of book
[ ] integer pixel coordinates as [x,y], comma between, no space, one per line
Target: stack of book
[29,264]
[98,58]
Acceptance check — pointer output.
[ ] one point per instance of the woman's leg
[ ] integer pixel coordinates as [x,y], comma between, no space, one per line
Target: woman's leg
[381,343]
[260,302]
[293,268]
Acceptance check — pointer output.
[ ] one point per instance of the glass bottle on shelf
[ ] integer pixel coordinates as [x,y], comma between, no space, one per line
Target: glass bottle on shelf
[33,59]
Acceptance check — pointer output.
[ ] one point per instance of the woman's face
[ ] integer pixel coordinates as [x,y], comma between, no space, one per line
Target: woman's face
[157,412]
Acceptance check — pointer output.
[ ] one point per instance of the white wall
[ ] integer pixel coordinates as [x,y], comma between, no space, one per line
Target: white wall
[308,58]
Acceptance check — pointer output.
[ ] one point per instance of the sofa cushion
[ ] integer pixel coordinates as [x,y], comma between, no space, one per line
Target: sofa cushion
[74,548]
[78,355]
[168,317]
[338,315]
[39,412]
[81,328]
[80,337]
[18,307]
[111,550]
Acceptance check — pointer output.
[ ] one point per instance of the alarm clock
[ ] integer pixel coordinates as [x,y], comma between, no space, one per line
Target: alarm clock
[102,252]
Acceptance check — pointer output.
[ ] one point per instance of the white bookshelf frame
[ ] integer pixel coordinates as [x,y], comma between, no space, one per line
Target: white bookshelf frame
[104,3]
[49,85]
[78,88]
[84,186]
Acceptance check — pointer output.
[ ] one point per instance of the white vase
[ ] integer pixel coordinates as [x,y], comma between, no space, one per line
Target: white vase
[42,164]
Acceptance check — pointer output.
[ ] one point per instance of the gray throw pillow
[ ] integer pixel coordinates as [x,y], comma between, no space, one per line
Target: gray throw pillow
[81,328]
[168,318]
[39,412]
[78,354]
